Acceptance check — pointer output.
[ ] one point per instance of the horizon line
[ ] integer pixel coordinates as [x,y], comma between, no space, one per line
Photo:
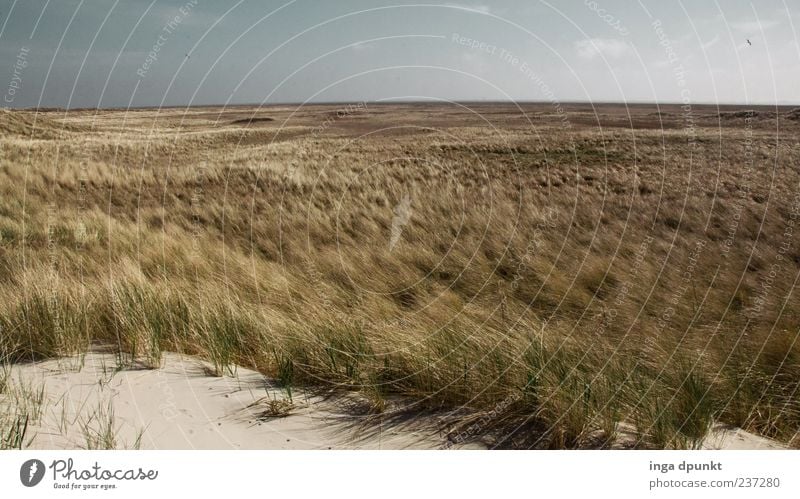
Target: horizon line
[390,102]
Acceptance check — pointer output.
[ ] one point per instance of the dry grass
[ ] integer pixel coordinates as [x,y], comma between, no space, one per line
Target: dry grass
[554,282]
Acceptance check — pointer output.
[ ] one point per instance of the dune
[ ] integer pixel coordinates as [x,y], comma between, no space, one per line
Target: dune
[88,403]
[33,125]
[550,282]
[724,437]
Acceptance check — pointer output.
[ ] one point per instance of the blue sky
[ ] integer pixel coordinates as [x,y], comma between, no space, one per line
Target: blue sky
[88,53]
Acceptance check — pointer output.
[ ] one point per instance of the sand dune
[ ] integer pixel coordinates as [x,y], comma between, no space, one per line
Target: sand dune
[182,406]
[535,278]
[89,403]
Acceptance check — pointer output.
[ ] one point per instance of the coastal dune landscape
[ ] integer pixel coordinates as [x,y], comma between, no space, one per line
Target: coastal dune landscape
[439,275]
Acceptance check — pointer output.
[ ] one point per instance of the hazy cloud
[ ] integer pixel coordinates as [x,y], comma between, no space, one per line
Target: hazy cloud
[753,26]
[707,45]
[485,9]
[361,46]
[608,47]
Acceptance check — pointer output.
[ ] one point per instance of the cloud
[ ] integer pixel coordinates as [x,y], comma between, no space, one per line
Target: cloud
[753,26]
[607,47]
[474,63]
[707,45]
[361,46]
[661,64]
[484,9]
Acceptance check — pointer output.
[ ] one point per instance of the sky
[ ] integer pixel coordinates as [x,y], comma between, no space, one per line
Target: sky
[121,53]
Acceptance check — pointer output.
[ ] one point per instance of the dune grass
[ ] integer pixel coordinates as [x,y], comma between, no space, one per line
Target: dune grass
[556,285]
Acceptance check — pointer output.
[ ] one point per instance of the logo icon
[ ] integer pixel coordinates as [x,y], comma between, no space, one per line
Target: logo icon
[31,472]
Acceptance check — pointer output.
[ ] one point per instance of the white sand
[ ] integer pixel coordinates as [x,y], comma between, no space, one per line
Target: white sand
[729,438]
[181,406]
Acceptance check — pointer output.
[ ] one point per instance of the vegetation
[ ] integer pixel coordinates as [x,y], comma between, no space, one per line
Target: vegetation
[556,283]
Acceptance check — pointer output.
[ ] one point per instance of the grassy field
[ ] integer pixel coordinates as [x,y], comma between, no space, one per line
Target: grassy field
[555,274]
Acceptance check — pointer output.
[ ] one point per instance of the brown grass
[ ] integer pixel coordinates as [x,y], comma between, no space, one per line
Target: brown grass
[554,282]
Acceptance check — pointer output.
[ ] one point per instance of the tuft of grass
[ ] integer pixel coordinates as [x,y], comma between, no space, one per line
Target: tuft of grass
[276,408]
[21,405]
[220,333]
[27,398]
[13,431]
[284,365]
[693,410]
[98,430]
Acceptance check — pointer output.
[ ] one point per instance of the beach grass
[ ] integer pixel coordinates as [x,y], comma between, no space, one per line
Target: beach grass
[555,284]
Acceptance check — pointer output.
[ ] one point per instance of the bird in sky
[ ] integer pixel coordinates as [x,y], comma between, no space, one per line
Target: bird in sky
[748,42]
